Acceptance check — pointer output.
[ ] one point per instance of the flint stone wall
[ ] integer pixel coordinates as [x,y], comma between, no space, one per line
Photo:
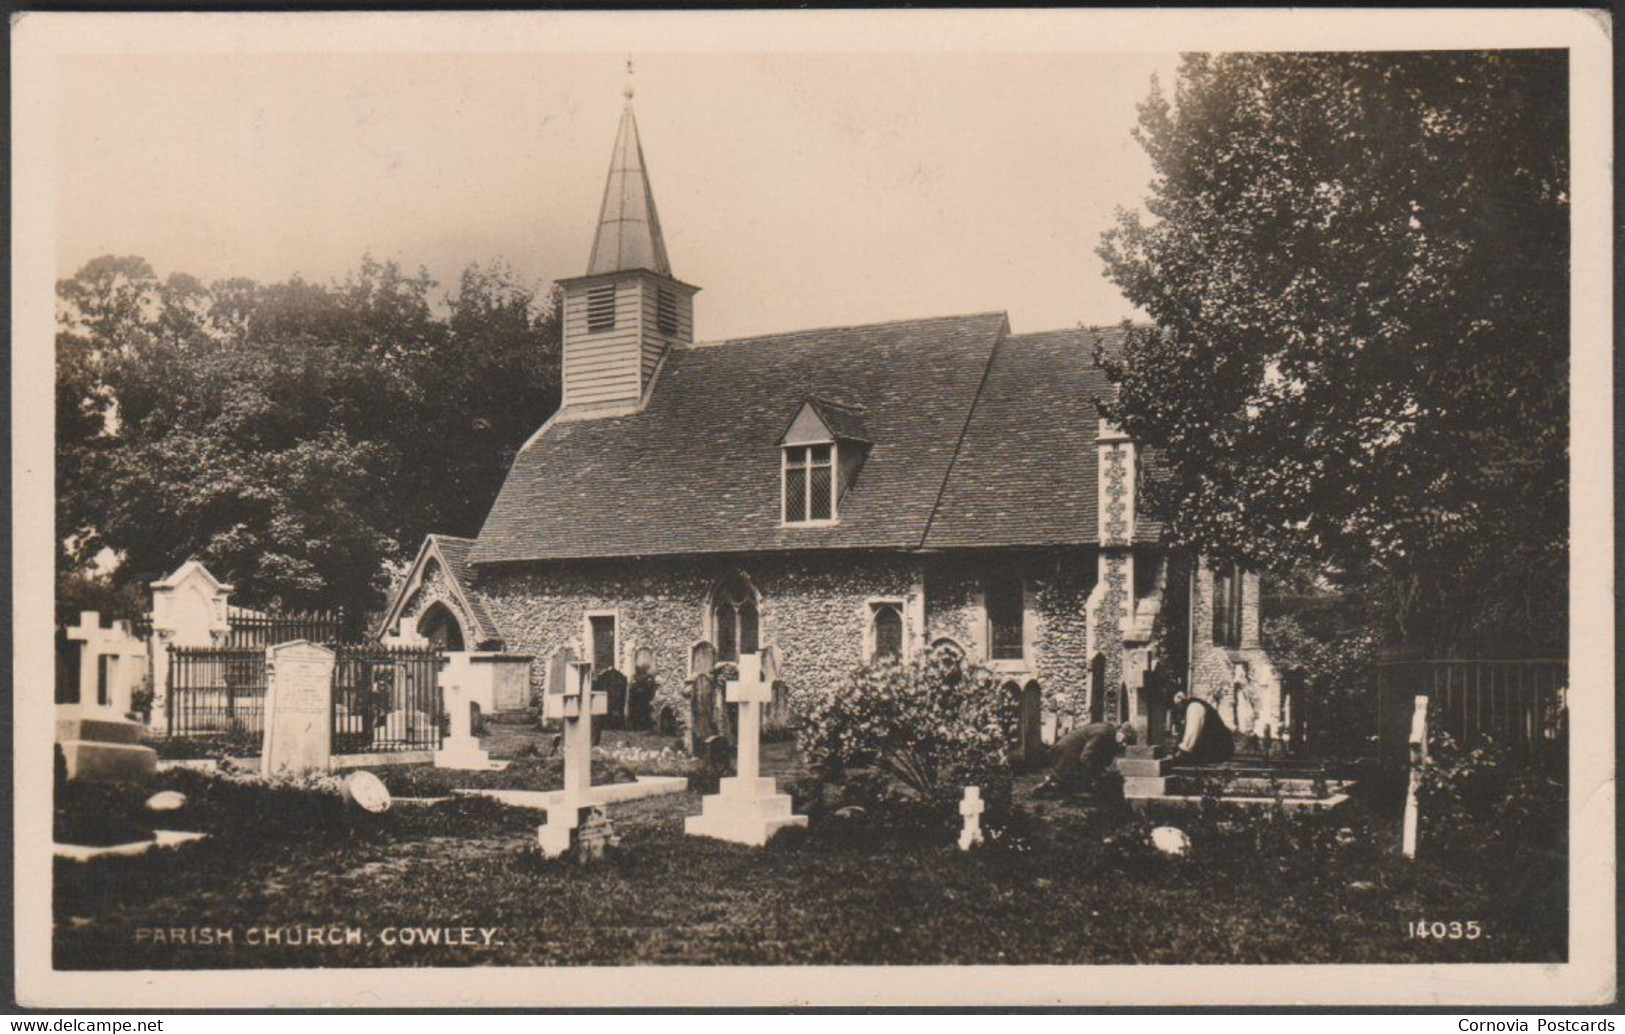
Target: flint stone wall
[814,610]
[1254,705]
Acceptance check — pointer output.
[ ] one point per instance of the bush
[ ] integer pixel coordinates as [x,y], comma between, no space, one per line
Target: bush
[934,725]
[238,742]
[1334,661]
[1505,816]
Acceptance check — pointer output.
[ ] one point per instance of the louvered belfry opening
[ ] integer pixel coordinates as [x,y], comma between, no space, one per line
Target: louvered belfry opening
[622,315]
[601,308]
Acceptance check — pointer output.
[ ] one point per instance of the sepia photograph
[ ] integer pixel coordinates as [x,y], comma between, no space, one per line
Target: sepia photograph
[895,500]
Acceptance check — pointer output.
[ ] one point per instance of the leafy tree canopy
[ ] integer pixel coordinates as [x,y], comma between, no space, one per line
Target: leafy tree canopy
[293,436]
[1356,267]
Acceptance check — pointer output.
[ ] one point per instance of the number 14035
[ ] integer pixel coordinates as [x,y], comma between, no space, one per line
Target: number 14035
[1455,930]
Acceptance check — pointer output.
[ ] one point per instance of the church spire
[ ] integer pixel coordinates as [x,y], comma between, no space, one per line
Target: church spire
[628,227]
[627,311]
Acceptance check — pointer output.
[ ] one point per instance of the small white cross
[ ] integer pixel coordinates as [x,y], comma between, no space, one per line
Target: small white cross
[971,808]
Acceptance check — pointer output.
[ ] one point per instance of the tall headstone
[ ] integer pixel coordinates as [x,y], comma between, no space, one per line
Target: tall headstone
[748,809]
[1419,754]
[298,709]
[574,704]
[702,723]
[189,608]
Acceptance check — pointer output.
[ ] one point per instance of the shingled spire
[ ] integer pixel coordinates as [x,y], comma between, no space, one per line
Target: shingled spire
[628,226]
[627,310]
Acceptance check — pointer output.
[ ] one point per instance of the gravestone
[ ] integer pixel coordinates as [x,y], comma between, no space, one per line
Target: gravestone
[574,704]
[666,722]
[702,691]
[641,692]
[612,684]
[460,748]
[748,809]
[96,741]
[970,809]
[189,608]
[1419,756]
[298,709]
[367,792]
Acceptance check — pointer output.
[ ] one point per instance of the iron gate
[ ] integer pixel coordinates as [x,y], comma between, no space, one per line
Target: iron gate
[387,699]
[216,693]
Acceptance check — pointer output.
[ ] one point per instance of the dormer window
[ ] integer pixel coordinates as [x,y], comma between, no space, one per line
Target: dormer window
[809,483]
[601,308]
[822,449]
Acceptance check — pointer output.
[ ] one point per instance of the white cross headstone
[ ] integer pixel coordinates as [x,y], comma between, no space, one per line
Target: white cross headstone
[750,691]
[125,655]
[574,707]
[1419,754]
[460,748]
[971,809]
[748,809]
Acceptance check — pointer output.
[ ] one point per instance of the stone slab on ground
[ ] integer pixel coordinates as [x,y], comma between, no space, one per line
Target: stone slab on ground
[606,793]
[109,762]
[97,730]
[163,838]
[1148,768]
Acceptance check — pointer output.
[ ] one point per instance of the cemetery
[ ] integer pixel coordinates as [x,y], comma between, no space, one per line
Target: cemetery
[581,844]
[865,644]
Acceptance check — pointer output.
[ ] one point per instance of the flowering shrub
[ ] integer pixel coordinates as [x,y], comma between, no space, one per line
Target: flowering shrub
[933,725]
[647,760]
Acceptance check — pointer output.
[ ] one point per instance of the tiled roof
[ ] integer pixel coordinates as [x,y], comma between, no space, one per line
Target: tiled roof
[698,470]
[844,422]
[978,438]
[455,551]
[1025,473]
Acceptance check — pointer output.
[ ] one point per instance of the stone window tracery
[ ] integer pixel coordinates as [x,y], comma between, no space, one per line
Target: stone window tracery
[735,620]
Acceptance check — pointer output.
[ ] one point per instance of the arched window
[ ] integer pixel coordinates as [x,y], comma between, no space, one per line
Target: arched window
[441,628]
[1005,618]
[735,620]
[888,632]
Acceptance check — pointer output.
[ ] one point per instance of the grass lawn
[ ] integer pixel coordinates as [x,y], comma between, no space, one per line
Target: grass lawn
[1075,886]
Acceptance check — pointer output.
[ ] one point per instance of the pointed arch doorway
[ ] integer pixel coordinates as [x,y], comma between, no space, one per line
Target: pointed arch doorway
[441,628]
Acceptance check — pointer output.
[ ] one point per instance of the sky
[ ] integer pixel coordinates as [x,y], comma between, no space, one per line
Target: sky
[797,190]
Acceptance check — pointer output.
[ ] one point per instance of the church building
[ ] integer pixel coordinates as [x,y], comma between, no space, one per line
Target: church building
[844,494]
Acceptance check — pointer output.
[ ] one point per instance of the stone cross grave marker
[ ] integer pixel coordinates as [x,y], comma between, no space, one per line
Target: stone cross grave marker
[124,655]
[1419,754]
[574,705]
[971,809]
[460,748]
[298,709]
[748,809]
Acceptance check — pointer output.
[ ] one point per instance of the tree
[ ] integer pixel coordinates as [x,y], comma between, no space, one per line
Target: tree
[1356,266]
[296,437]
